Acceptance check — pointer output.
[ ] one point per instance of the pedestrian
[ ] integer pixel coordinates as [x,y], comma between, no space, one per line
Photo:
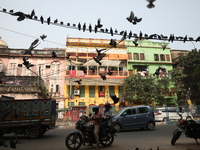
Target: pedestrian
[97,120]
[106,118]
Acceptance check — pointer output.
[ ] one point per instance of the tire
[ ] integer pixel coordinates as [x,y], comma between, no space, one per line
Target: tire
[150,126]
[34,133]
[73,141]
[117,127]
[175,137]
[109,140]
[165,119]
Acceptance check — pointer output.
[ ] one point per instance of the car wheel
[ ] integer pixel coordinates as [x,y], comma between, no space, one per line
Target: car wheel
[34,133]
[165,119]
[117,127]
[150,126]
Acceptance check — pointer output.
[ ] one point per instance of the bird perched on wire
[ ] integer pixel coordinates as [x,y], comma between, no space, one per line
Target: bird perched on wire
[21,15]
[114,98]
[99,25]
[68,55]
[33,45]
[151,5]
[113,43]
[78,81]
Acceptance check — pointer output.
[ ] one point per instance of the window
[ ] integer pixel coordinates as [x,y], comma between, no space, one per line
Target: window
[12,69]
[70,103]
[162,57]
[142,110]
[130,56]
[81,103]
[167,57]
[71,67]
[136,56]
[57,88]
[41,69]
[91,91]
[156,57]
[82,91]
[111,90]
[101,91]
[55,68]
[142,56]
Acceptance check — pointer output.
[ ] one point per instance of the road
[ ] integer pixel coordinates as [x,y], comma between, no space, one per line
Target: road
[126,140]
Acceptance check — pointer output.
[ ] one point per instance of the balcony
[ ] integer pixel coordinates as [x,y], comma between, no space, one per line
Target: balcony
[90,73]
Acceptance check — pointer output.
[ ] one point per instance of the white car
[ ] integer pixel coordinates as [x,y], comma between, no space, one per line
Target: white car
[170,113]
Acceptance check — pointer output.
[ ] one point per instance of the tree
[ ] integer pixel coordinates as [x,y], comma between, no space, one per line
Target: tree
[191,67]
[145,89]
[177,77]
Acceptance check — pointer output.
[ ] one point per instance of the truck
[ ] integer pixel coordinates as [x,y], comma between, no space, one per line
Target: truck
[31,117]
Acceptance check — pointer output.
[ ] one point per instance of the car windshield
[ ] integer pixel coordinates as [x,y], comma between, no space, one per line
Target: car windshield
[119,111]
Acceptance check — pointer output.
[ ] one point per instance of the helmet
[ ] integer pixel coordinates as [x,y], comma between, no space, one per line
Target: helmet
[95,108]
[107,105]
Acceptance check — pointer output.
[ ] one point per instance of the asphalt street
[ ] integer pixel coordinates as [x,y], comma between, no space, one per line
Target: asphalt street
[126,140]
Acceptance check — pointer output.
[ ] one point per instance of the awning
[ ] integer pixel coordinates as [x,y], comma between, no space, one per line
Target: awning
[92,62]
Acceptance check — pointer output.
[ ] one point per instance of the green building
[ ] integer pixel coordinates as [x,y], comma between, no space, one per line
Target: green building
[149,58]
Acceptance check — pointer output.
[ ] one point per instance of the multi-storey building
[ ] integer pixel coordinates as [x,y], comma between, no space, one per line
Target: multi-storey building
[93,89]
[46,76]
[149,57]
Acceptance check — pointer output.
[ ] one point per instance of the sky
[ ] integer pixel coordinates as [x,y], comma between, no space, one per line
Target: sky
[178,17]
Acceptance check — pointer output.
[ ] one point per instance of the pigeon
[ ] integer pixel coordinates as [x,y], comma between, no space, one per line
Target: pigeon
[185,39]
[55,21]
[99,25]
[79,26]
[53,54]
[99,58]
[48,20]
[21,15]
[84,27]
[150,5]
[111,31]
[114,98]
[90,28]
[34,44]
[42,19]
[109,72]
[136,20]
[43,37]
[100,50]
[78,81]
[113,43]
[131,17]
[32,14]
[103,76]
[13,144]
[68,55]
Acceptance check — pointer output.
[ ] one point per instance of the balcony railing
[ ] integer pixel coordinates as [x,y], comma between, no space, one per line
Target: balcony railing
[81,73]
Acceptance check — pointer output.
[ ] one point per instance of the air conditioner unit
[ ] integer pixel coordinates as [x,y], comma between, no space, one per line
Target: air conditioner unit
[76,92]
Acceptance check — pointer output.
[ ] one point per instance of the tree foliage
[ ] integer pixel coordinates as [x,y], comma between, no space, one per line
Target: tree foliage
[145,89]
[177,77]
[191,67]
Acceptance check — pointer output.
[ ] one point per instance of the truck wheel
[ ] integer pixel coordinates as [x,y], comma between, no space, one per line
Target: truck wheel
[34,133]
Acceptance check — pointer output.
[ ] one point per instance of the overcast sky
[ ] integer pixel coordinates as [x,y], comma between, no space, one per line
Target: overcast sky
[178,17]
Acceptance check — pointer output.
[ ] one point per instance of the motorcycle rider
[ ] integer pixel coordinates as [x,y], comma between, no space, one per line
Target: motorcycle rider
[97,119]
[107,118]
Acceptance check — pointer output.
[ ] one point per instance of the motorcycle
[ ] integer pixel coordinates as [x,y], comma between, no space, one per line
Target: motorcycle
[85,134]
[190,128]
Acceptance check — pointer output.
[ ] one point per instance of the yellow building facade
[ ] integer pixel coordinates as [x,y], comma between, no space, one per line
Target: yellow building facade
[81,66]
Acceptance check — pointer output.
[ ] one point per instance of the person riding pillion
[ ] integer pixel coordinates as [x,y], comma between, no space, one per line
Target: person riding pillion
[107,118]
